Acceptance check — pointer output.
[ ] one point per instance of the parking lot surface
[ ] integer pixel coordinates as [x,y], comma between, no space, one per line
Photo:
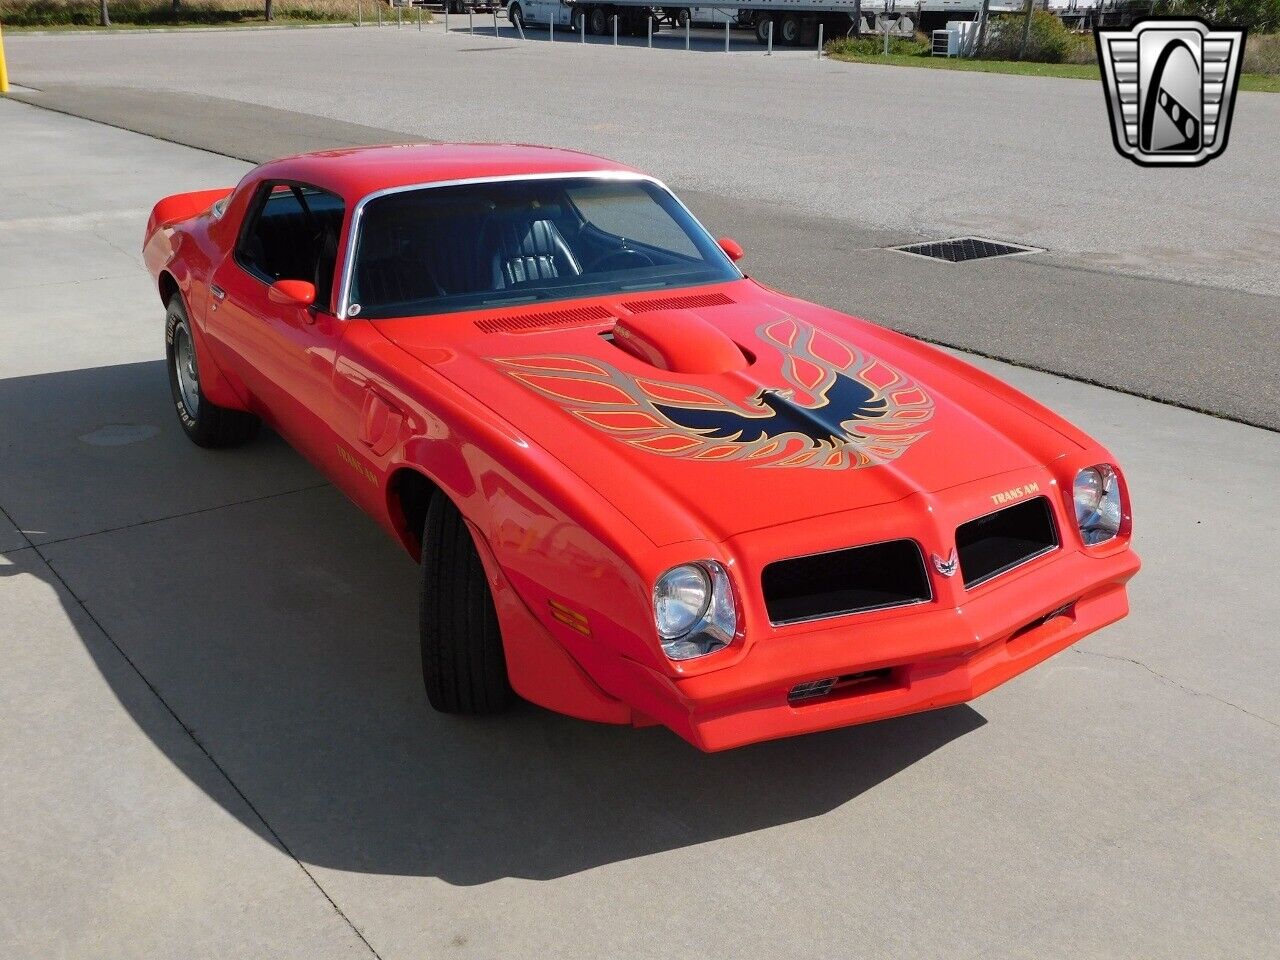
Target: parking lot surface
[1162,283]
[216,744]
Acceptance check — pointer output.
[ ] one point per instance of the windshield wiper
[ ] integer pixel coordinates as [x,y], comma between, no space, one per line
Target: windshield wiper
[508,301]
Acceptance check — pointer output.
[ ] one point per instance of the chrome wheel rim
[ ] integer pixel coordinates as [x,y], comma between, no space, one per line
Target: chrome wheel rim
[184,365]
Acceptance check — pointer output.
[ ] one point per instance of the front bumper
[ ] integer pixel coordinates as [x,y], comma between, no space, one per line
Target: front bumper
[933,657]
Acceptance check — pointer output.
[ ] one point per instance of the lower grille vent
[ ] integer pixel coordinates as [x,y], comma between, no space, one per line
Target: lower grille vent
[845,581]
[1008,538]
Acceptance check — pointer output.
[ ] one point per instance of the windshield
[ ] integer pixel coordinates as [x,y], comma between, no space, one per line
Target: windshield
[473,246]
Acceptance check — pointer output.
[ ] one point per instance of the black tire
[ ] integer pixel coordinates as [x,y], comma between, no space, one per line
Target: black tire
[598,22]
[463,665]
[208,425]
[681,17]
[788,33]
[761,26]
[516,16]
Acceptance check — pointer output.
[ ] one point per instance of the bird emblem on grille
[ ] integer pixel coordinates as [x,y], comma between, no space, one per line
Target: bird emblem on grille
[840,409]
[947,567]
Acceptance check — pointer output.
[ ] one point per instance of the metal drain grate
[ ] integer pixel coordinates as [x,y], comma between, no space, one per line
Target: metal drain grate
[962,249]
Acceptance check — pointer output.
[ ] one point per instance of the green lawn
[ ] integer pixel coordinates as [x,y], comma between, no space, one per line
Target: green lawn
[1268,83]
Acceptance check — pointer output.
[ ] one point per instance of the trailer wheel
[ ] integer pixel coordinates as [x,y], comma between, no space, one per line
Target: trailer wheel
[598,21]
[762,28]
[682,17]
[789,30]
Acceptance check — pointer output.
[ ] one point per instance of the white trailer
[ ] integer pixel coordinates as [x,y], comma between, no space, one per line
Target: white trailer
[794,22]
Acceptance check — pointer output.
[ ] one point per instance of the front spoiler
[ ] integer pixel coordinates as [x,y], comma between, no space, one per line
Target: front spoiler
[934,658]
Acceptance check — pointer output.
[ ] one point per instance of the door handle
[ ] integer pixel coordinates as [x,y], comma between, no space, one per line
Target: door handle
[217,291]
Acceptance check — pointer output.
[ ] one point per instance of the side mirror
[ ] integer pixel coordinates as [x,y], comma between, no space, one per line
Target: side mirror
[296,293]
[732,248]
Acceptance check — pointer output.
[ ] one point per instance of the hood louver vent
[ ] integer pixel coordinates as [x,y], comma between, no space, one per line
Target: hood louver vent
[533,322]
[678,303]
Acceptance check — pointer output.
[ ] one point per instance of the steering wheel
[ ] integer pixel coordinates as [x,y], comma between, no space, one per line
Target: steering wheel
[619,255]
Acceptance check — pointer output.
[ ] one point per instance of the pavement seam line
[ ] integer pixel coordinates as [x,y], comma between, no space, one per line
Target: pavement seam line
[1177,683]
[205,751]
[176,516]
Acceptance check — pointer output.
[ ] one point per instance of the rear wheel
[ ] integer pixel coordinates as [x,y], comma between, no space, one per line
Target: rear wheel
[206,423]
[464,667]
[516,16]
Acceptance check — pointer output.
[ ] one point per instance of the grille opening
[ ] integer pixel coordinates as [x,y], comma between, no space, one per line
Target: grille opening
[855,580]
[1066,610]
[1008,538]
[849,684]
[963,249]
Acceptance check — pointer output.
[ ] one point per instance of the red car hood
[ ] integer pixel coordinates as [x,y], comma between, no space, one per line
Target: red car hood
[733,408]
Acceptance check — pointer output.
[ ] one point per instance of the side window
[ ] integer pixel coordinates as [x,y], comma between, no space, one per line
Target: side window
[293,235]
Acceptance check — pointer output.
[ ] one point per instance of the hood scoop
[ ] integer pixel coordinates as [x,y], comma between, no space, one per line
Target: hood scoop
[678,341]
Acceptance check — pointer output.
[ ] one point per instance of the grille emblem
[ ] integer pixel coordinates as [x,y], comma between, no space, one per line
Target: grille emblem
[947,567]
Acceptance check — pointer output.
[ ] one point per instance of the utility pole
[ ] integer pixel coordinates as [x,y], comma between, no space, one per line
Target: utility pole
[1026,29]
[104,15]
[980,35]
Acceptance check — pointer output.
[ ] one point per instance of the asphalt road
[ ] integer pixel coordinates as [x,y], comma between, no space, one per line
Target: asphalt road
[215,742]
[1161,283]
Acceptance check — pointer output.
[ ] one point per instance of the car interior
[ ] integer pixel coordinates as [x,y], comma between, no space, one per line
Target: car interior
[450,248]
[432,250]
[294,237]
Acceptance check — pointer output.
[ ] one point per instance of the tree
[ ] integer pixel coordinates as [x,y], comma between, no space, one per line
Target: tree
[104,15]
[1026,28]
[1257,15]
[270,10]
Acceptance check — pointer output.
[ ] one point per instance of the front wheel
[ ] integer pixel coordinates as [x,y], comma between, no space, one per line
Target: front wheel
[206,423]
[464,667]
[516,16]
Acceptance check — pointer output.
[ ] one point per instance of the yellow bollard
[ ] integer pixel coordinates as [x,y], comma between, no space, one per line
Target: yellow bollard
[4,71]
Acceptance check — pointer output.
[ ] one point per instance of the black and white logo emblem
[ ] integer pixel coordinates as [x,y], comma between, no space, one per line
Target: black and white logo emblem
[947,567]
[1170,86]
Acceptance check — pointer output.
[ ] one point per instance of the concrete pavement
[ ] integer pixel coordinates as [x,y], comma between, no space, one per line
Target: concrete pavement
[1162,283]
[217,745]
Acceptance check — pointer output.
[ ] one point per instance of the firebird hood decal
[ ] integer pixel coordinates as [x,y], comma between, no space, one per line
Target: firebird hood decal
[843,409]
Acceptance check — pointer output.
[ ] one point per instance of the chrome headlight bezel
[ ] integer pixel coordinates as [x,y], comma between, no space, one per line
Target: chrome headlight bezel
[1099,504]
[697,626]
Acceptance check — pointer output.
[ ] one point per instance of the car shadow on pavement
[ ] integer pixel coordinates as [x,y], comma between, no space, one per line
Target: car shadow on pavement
[279,625]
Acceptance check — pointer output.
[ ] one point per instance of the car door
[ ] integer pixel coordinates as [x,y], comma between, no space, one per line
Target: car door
[284,352]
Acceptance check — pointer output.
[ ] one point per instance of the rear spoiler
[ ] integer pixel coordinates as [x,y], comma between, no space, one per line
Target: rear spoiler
[182,206]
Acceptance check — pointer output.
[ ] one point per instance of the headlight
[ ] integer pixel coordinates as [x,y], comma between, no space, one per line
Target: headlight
[693,610]
[1097,496]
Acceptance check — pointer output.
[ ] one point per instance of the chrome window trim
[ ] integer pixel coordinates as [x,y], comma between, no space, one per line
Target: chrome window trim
[1017,566]
[348,264]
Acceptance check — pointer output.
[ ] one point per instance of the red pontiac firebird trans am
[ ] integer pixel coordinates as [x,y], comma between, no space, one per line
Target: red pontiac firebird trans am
[641,486]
